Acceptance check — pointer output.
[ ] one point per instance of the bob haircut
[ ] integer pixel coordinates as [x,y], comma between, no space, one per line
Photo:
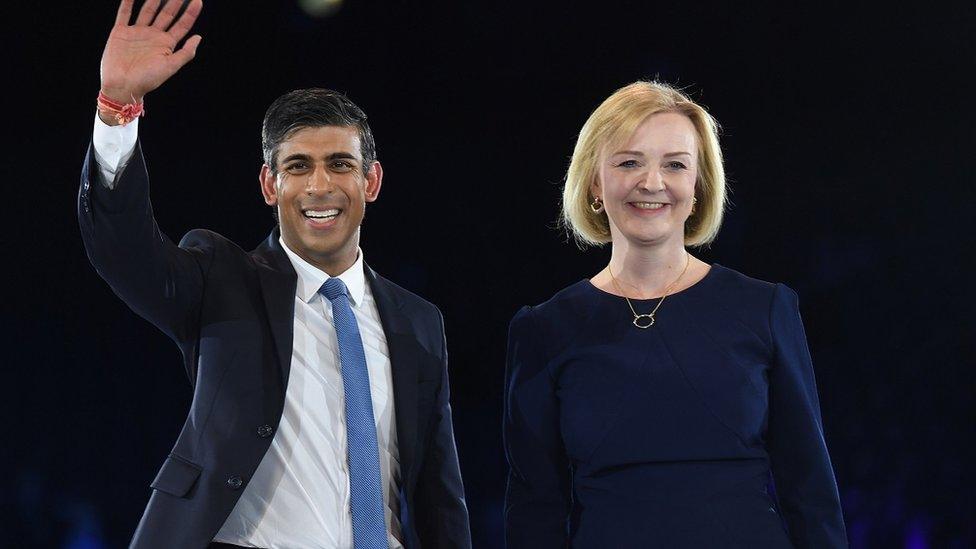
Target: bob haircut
[611,124]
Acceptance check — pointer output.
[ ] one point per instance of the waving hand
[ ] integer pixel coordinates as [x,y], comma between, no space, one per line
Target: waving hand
[139,57]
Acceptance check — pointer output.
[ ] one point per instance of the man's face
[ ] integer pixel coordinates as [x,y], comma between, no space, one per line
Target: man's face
[320,191]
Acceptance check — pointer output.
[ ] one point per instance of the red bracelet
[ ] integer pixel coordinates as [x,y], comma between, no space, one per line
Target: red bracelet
[122,113]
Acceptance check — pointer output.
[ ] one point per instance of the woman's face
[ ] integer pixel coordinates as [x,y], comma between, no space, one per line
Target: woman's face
[648,183]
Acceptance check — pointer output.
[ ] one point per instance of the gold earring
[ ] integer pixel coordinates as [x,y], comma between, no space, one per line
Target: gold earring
[596,205]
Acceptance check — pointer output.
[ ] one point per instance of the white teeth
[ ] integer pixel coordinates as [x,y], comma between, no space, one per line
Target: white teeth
[648,205]
[322,214]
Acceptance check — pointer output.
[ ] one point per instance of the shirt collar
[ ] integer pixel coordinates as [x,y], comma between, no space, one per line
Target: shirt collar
[311,278]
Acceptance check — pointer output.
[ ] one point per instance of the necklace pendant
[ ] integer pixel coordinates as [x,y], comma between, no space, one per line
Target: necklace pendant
[644,321]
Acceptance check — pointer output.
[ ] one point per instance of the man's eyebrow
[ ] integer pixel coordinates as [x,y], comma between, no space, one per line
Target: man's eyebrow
[334,156]
[296,156]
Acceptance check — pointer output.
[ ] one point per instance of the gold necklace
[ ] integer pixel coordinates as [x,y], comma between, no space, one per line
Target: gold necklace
[646,320]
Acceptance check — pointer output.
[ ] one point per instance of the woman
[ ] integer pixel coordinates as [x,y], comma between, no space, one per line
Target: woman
[651,405]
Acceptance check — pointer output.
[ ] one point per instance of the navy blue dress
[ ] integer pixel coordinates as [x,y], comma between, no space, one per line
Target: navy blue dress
[670,436]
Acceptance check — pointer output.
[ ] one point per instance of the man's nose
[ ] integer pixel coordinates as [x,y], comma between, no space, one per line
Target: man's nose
[319,181]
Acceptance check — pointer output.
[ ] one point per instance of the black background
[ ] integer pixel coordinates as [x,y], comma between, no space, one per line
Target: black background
[848,135]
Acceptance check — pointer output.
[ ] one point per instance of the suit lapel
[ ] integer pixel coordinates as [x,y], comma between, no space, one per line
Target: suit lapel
[278,284]
[402,344]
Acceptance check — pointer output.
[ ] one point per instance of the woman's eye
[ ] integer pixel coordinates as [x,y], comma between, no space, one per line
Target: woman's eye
[675,165]
[628,164]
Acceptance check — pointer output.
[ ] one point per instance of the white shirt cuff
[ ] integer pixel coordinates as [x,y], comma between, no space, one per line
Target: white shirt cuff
[113,146]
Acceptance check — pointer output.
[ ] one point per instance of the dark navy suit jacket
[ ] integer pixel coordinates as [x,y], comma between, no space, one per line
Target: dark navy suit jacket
[231,313]
[671,436]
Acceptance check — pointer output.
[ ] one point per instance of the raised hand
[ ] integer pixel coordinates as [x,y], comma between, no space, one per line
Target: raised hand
[138,58]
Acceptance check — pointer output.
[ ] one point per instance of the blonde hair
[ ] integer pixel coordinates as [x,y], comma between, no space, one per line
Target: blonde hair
[614,121]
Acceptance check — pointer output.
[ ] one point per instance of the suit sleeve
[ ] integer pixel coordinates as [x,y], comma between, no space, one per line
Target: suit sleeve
[442,514]
[538,499]
[804,478]
[158,280]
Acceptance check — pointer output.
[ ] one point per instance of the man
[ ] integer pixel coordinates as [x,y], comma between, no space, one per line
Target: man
[320,413]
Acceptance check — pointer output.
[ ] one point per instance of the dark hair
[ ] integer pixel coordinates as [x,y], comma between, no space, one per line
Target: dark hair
[309,108]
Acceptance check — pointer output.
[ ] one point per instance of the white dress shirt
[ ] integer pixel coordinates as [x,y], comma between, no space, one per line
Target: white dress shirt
[113,147]
[299,496]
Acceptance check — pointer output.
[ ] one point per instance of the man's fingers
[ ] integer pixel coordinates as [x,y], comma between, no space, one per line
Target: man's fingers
[185,22]
[166,15]
[148,12]
[125,12]
[189,50]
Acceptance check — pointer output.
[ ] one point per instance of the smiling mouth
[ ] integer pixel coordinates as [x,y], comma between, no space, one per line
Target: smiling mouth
[322,216]
[648,205]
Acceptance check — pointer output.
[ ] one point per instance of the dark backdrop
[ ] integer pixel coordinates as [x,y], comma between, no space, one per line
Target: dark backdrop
[848,134]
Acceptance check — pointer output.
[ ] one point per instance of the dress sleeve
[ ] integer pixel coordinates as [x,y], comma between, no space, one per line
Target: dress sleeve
[538,499]
[803,475]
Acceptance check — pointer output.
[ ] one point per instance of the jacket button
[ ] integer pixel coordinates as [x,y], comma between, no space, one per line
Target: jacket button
[235,483]
[265,431]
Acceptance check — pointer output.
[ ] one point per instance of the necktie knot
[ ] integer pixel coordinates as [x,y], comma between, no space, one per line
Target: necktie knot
[333,288]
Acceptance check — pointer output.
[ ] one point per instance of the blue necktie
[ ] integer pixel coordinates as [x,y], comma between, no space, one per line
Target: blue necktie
[365,483]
